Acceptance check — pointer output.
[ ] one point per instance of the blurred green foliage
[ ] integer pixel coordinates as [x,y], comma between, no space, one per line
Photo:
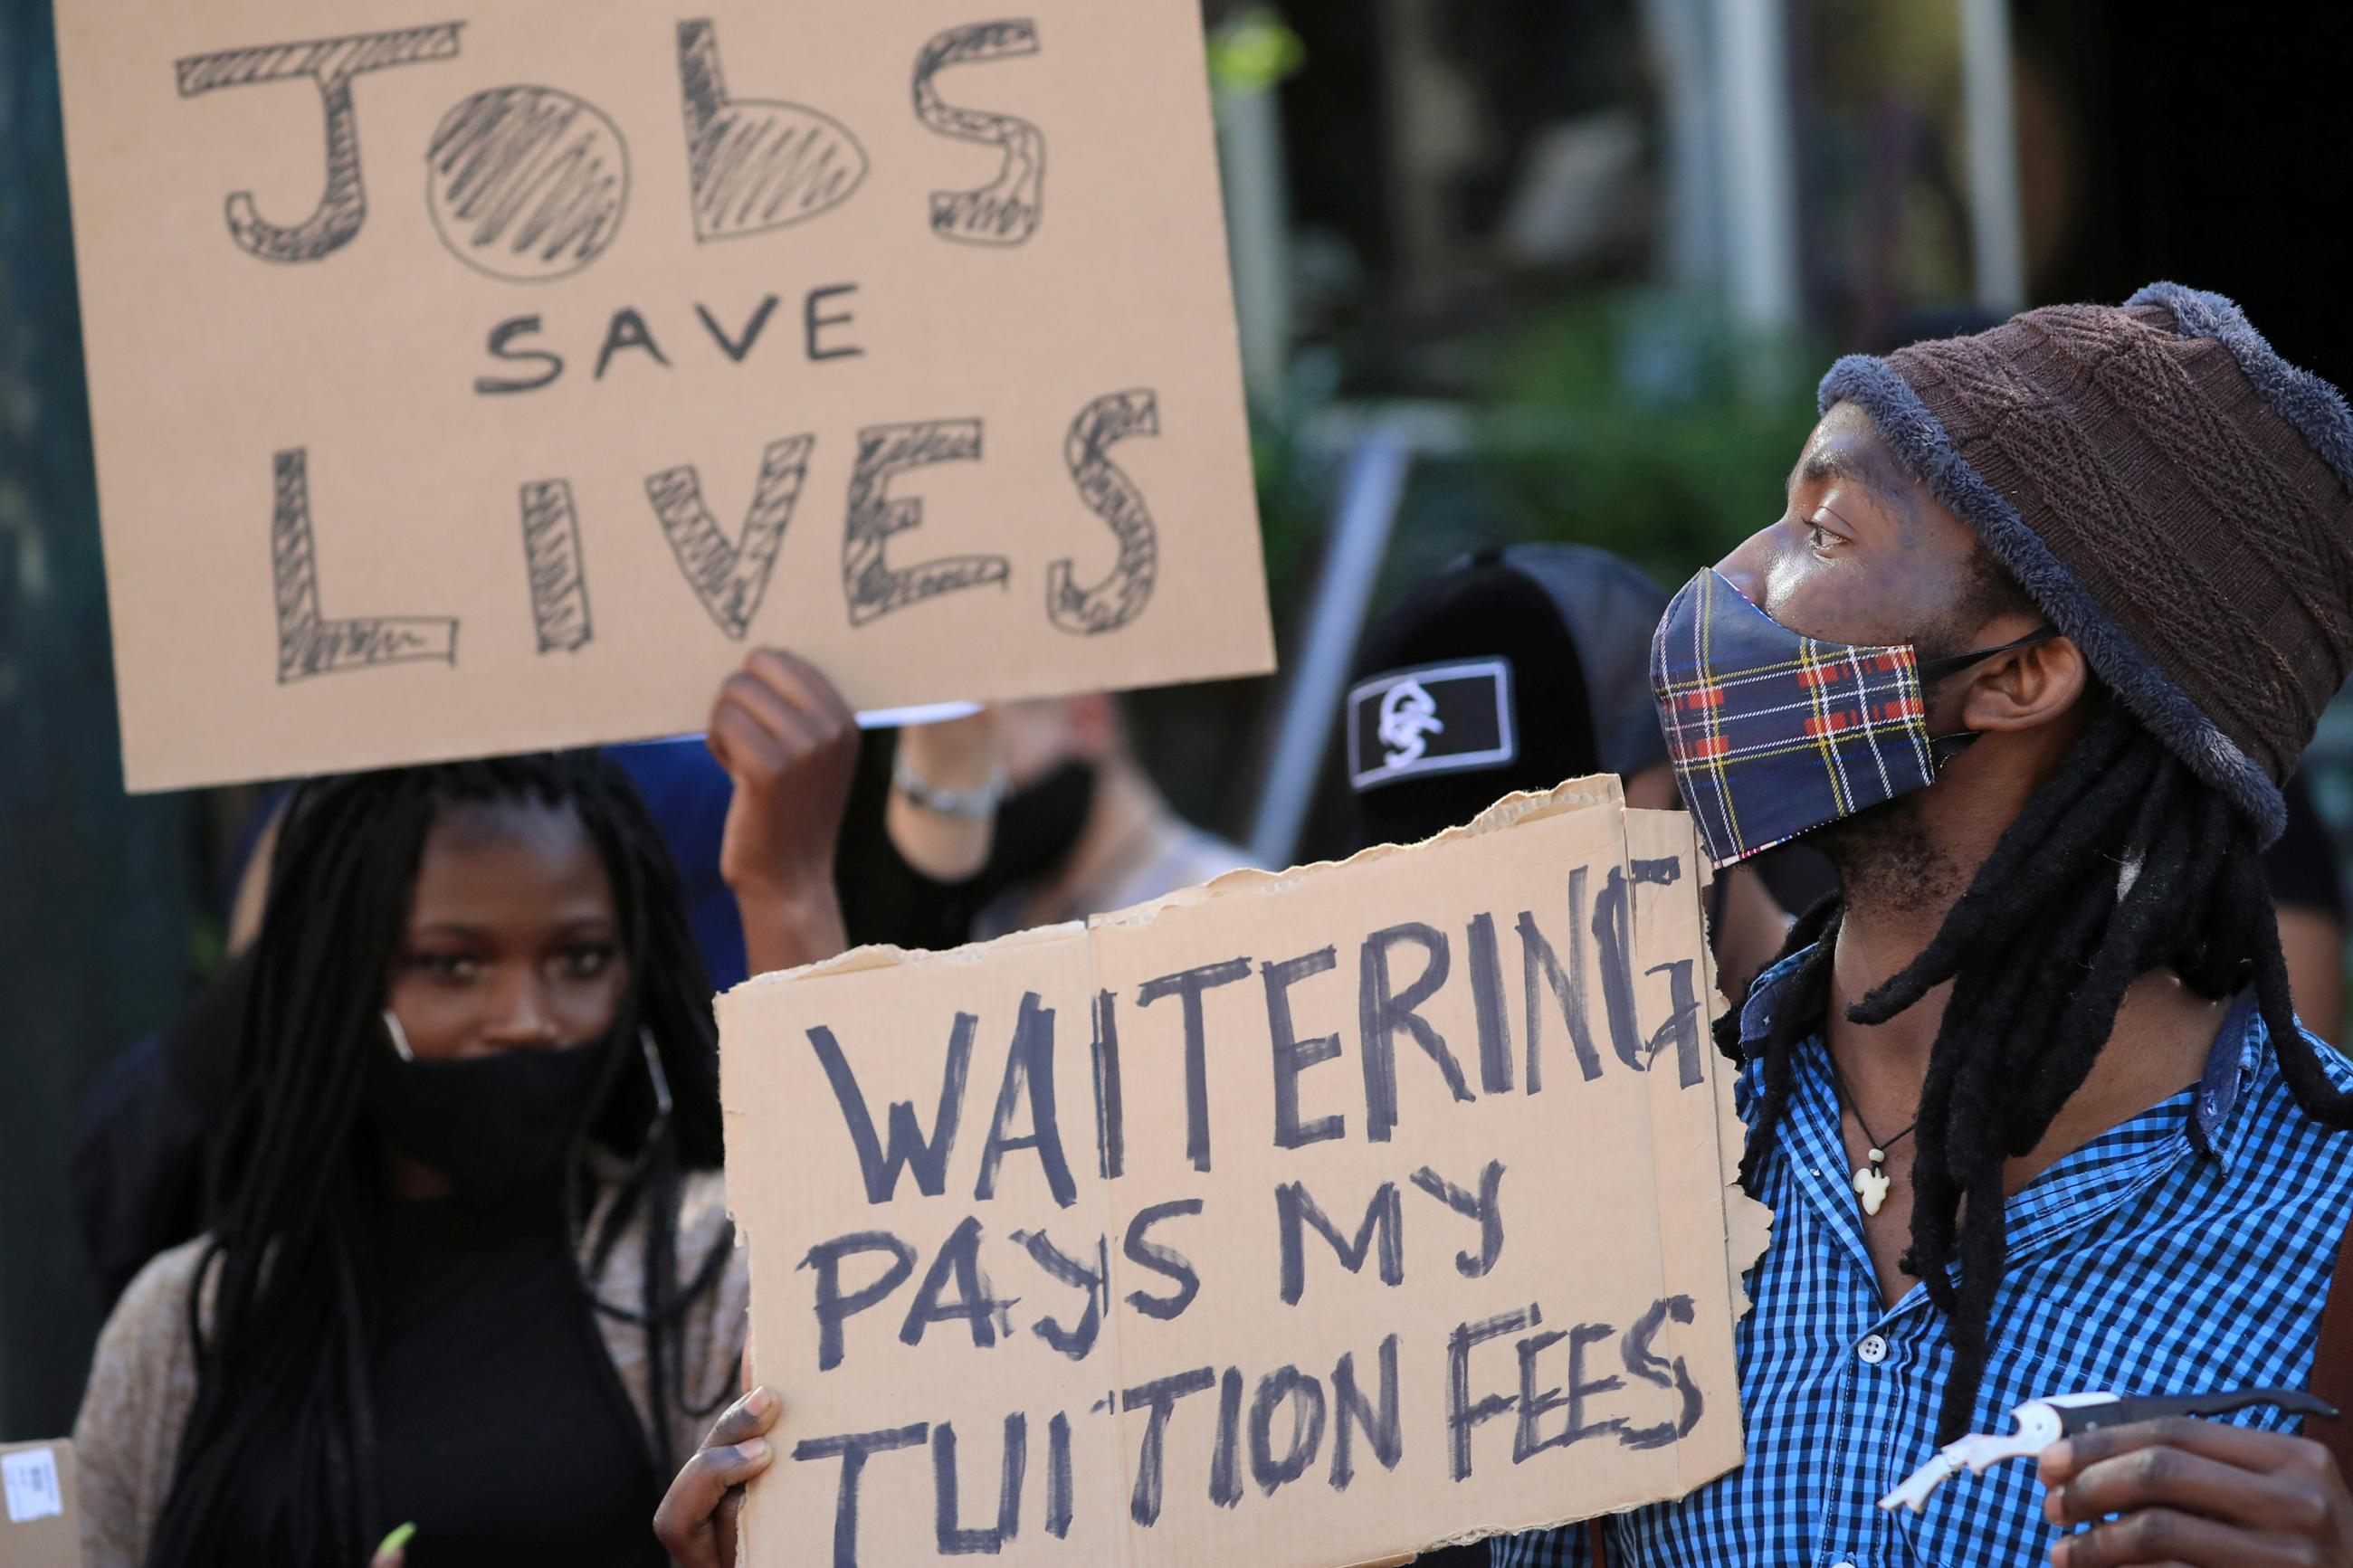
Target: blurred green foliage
[1618,422]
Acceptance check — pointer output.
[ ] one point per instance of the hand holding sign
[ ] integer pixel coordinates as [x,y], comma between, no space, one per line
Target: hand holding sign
[696,1521]
[790,744]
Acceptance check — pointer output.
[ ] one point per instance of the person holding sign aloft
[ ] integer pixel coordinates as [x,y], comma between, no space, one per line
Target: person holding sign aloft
[473,1270]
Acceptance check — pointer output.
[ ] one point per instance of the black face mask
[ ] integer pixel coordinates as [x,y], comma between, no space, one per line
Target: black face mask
[495,1126]
[1038,825]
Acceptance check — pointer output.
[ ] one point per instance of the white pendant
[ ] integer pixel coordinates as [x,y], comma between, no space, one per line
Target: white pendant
[1871,1186]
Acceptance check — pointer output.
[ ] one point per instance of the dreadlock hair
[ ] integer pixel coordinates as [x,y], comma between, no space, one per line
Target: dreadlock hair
[2124,862]
[281,1310]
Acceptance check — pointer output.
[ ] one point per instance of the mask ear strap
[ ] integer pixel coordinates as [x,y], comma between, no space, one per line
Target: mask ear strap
[1943,748]
[1953,664]
[398,1036]
[662,1087]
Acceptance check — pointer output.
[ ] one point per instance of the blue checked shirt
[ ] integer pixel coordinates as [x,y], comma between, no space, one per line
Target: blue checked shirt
[2189,1249]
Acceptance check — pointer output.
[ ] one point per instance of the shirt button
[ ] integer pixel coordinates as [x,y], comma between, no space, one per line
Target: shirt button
[1870,1353]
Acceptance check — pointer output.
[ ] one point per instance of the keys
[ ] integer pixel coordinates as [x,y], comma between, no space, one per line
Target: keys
[2042,1422]
[2038,1427]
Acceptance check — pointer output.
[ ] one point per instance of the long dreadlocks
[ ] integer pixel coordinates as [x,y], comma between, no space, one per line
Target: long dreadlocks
[2123,863]
[280,1312]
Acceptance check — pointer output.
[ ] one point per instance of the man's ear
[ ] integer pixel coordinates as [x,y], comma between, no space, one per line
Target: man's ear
[2026,688]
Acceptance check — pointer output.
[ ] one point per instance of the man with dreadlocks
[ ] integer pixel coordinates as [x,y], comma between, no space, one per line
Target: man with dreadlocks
[2028,1099]
[470,1270]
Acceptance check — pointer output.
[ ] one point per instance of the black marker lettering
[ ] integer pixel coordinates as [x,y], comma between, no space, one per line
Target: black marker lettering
[1487,1003]
[1058,1477]
[1304,1396]
[1461,1414]
[1162,1260]
[1613,937]
[501,336]
[737,348]
[730,577]
[952,1538]
[559,584]
[1535,1404]
[1646,1364]
[1382,1011]
[628,330]
[1096,1282]
[1028,1066]
[308,643]
[527,183]
[1110,495]
[1005,210]
[1190,985]
[873,585]
[1225,1466]
[331,64]
[1160,1396]
[910,1149]
[1383,1424]
[1485,1208]
[1540,967]
[1681,1028]
[853,1450]
[756,164]
[959,1261]
[813,323]
[1111,1126]
[1296,1210]
[833,1308]
[1683,1023]
[1293,1056]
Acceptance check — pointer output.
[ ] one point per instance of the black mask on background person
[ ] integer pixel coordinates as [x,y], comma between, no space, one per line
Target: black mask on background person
[1038,825]
[496,1126]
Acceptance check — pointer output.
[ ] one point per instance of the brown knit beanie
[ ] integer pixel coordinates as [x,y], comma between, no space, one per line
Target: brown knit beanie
[2176,497]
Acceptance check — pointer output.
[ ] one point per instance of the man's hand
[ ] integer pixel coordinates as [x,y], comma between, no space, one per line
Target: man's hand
[790,743]
[2197,1493]
[696,1521]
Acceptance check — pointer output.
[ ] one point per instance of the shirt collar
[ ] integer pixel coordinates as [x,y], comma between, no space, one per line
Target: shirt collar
[2233,1062]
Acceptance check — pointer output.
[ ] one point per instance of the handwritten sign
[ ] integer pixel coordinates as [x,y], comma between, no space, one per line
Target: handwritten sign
[472,378]
[1300,1221]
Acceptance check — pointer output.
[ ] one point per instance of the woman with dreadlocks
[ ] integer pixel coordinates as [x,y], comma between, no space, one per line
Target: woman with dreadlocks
[2050,613]
[471,1270]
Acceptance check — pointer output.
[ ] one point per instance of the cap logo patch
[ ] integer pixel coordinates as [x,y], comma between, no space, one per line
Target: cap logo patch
[1437,718]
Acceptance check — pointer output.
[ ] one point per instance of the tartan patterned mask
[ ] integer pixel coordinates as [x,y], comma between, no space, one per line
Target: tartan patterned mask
[1773,735]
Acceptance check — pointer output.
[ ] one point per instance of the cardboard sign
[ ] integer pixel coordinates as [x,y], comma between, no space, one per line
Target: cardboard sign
[1302,1221]
[475,378]
[40,1523]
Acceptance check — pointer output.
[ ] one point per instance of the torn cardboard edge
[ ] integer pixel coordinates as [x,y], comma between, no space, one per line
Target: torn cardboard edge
[1743,1224]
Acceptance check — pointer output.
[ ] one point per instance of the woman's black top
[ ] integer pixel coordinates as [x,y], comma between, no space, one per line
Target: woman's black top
[501,1429]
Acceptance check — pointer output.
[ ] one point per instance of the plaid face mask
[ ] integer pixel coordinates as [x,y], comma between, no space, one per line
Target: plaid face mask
[1773,735]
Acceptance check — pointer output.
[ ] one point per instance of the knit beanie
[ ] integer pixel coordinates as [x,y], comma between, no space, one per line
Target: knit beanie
[2173,494]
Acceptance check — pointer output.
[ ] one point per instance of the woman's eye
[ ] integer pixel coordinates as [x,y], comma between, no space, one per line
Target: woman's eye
[1821,537]
[456,967]
[587,963]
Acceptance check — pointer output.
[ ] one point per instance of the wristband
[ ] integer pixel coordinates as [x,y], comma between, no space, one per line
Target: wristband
[969,805]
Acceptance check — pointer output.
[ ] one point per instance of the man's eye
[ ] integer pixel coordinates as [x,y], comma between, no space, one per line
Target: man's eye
[1821,537]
